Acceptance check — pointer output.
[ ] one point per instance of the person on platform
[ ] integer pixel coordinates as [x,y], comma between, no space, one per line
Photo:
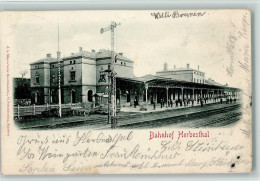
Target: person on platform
[181,102]
[154,105]
[161,103]
[235,100]
[176,102]
[221,101]
[171,102]
[201,102]
[135,103]
[231,100]
[192,102]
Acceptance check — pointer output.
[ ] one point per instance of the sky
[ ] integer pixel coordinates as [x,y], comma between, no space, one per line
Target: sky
[147,41]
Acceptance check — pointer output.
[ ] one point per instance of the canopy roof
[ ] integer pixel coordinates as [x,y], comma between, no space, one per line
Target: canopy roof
[161,82]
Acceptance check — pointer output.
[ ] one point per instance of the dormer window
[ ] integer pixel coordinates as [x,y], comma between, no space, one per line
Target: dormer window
[74,61]
[36,66]
[70,62]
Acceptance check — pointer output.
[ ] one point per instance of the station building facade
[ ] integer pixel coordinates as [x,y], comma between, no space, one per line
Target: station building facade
[85,79]
[185,74]
[83,75]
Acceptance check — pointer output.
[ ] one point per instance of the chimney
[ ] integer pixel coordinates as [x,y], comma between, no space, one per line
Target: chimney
[121,54]
[80,49]
[165,66]
[174,66]
[72,53]
[198,67]
[48,55]
[93,51]
[188,65]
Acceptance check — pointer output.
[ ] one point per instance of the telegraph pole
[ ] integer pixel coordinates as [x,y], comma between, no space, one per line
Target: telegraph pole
[59,75]
[112,111]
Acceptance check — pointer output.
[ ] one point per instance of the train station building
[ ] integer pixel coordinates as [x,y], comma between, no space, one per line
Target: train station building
[85,79]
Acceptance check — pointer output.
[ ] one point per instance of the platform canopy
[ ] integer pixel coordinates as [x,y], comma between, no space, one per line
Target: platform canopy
[162,82]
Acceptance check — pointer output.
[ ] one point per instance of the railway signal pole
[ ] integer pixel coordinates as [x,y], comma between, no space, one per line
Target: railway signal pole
[112,93]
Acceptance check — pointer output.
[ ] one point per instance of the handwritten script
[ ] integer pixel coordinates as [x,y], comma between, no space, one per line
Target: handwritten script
[176,14]
[86,152]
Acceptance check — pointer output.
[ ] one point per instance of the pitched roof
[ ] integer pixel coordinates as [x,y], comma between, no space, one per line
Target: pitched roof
[84,54]
[103,53]
[45,60]
[212,82]
[180,69]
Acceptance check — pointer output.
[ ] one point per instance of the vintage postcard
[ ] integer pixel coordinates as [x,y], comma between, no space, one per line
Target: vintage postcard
[126,92]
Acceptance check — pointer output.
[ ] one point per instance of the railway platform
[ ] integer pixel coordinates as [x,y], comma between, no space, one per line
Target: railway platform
[130,119]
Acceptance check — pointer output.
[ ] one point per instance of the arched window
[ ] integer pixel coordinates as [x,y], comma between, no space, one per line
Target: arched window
[90,96]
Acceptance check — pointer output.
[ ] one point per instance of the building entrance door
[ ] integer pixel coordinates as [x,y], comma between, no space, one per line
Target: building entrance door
[73,96]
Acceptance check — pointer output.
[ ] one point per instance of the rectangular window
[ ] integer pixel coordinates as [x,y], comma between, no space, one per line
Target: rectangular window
[108,67]
[73,75]
[37,79]
[53,79]
[102,77]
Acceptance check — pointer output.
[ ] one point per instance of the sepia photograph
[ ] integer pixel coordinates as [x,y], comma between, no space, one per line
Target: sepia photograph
[103,88]
[162,91]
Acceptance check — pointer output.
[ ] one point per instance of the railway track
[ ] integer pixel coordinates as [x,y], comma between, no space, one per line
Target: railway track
[194,117]
[208,118]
